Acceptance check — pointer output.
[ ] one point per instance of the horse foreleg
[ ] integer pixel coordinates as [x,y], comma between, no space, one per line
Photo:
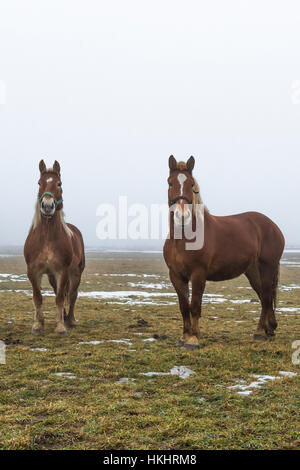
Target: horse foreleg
[198,286]
[35,280]
[62,282]
[182,289]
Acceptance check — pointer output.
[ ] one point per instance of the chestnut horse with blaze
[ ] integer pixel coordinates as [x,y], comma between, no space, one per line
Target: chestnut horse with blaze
[248,243]
[54,248]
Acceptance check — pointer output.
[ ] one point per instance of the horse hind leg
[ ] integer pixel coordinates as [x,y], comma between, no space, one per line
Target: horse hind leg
[254,278]
[62,284]
[70,320]
[272,289]
[53,283]
[269,282]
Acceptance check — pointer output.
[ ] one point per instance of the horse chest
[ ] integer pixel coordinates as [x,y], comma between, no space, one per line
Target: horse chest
[49,259]
[46,258]
[177,262]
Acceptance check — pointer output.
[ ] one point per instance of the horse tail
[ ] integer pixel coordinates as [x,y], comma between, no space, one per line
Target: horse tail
[275,287]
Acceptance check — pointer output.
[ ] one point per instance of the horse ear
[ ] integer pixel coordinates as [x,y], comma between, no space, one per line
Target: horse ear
[172,163]
[42,166]
[56,167]
[190,164]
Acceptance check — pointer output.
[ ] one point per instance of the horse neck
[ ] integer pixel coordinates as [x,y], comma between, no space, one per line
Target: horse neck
[207,218]
[49,226]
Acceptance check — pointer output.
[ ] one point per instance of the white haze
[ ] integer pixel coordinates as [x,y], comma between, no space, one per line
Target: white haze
[111,88]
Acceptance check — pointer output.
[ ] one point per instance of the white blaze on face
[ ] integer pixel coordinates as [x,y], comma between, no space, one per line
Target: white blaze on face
[49,180]
[182,216]
[181,178]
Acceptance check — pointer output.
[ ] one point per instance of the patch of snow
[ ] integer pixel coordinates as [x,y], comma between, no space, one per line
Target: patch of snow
[96,342]
[289,309]
[287,374]
[124,380]
[152,374]
[289,288]
[92,342]
[149,285]
[129,275]
[182,372]
[246,390]
[124,293]
[68,375]
[126,341]
[14,277]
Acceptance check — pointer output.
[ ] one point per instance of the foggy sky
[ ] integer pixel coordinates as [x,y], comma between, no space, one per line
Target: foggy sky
[111,88]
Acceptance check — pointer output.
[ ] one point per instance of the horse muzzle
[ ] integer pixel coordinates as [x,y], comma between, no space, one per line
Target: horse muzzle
[182,216]
[47,207]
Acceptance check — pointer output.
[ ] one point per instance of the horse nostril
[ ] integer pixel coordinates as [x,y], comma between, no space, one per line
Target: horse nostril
[52,205]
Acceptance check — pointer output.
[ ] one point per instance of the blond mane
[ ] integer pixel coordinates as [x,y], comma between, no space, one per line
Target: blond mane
[38,217]
[197,199]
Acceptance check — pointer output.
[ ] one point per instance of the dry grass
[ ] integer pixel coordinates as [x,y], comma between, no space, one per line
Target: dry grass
[39,410]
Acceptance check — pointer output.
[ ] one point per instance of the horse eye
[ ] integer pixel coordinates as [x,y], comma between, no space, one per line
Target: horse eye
[59,185]
[170,185]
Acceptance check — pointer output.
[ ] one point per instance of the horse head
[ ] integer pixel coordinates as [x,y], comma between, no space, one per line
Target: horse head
[181,190]
[50,190]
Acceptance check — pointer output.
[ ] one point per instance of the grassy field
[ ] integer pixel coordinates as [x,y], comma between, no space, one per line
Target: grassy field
[90,409]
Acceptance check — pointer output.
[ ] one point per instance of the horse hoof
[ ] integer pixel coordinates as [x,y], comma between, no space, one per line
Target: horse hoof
[71,325]
[270,334]
[180,343]
[36,331]
[191,347]
[258,337]
[62,333]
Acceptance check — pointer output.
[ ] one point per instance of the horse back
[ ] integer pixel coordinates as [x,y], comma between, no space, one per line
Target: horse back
[251,230]
[231,244]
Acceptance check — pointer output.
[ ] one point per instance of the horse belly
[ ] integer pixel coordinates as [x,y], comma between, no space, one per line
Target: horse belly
[227,271]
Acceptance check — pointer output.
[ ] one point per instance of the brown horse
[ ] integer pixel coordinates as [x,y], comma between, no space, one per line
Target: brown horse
[248,243]
[53,248]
